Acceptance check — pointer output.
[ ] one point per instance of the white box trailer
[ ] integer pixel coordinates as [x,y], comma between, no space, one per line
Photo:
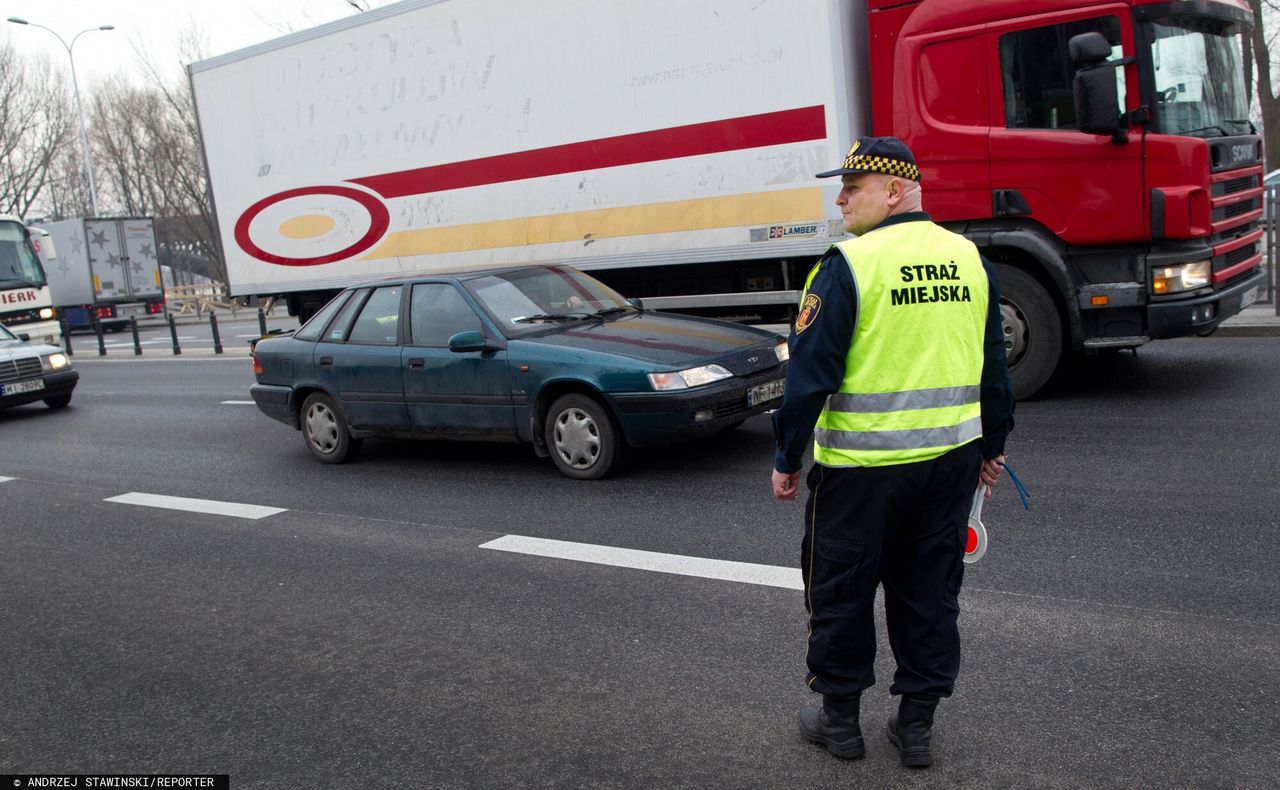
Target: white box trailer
[616,136]
[106,270]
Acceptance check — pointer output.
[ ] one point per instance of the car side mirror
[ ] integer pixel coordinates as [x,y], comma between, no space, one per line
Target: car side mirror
[24,337]
[468,341]
[636,303]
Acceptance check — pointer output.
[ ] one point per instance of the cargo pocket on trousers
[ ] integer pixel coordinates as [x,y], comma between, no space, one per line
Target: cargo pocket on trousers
[837,569]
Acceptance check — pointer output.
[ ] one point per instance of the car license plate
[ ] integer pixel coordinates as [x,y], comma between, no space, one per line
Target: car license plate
[131,311]
[765,392]
[19,387]
[1248,297]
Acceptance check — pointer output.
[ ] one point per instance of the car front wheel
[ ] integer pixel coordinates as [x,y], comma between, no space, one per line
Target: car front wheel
[581,437]
[325,430]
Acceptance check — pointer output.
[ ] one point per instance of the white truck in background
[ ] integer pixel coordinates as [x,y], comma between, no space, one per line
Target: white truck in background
[26,306]
[107,270]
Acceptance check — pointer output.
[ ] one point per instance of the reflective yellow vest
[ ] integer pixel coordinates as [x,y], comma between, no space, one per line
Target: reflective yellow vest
[912,374]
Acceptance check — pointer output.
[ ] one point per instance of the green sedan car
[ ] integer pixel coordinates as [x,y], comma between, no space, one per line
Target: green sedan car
[544,355]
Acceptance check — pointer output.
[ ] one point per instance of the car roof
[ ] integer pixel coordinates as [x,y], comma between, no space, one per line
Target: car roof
[463,274]
[1274,174]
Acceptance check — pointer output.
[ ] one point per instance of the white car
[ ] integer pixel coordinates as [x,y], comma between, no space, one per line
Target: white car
[33,371]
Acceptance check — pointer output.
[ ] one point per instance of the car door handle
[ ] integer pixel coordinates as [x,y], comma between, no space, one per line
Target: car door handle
[417,363]
[326,360]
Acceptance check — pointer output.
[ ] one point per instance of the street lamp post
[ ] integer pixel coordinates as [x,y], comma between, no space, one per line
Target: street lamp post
[84,133]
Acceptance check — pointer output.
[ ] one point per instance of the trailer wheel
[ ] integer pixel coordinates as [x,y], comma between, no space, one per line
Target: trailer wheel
[1032,330]
[581,437]
[325,430]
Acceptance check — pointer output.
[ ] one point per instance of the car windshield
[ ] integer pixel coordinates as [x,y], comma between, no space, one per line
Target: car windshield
[527,299]
[1199,77]
[18,263]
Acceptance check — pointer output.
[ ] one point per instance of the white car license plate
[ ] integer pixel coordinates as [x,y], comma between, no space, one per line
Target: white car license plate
[1248,297]
[131,311]
[765,392]
[19,387]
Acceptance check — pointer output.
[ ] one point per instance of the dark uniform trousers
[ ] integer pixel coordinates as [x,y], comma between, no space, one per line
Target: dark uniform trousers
[902,526]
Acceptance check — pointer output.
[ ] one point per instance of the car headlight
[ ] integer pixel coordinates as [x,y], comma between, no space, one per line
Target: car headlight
[1184,277]
[56,361]
[693,377]
[47,313]
[783,351]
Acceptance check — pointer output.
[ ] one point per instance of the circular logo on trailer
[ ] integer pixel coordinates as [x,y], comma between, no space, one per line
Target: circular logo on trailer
[808,312]
[312,225]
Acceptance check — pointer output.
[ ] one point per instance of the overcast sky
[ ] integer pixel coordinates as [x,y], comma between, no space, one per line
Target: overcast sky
[153,26]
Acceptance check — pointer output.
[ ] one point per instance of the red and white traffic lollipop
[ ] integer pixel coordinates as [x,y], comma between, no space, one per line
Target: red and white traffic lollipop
[975,544]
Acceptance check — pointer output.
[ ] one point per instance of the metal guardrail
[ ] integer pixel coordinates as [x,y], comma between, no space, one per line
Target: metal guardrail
[1271,208]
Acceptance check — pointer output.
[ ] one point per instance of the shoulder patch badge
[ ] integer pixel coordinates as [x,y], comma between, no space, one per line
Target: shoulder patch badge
[808,312]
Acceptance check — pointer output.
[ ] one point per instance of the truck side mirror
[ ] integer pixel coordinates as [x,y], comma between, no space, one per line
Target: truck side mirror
[1097,101]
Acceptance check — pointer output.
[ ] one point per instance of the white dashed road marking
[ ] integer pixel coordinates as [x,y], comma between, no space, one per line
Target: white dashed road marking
[6,479]
[196,505]
[237,403]
[725,570]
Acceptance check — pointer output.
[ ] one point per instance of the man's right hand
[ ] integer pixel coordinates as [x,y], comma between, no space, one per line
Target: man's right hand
[990,472]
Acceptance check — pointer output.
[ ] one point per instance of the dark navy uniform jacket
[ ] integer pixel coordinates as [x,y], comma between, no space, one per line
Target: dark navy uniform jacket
[818,358]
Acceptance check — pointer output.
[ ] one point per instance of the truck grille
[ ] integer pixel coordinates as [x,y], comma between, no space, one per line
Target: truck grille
[1236,209]
[17,369]
[1238,184]
[1243,254]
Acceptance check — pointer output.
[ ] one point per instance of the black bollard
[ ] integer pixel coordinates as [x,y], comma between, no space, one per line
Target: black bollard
[262,322]
[217,341]
[173,333]
[66,334]
[137,344]
[102,344]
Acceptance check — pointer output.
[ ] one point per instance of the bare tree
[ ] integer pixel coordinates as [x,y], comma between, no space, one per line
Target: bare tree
[35,122]
[1258,43]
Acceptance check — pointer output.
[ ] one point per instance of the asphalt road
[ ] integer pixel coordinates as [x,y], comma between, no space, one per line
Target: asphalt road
[1124,632]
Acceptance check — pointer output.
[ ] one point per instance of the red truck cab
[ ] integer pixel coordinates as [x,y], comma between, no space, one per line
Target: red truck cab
[1149,229]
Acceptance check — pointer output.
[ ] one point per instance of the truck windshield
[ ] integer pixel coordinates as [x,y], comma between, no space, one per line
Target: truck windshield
[1199,77]
[19,266]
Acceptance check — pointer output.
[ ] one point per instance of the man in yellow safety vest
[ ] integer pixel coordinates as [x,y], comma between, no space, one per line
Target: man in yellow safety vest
[898,373]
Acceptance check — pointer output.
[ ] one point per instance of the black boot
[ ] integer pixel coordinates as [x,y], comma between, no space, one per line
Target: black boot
[912,729]
[834,724]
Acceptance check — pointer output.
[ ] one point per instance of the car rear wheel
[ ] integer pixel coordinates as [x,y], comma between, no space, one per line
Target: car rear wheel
[325,430]
[60,402]
[581,437]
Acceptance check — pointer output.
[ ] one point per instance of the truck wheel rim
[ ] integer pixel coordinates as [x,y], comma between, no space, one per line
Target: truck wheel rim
[322,428]
[1016,331]
[577,439]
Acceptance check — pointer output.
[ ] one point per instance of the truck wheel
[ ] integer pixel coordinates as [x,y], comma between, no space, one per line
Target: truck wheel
[325,430]
[581,437]
[1032,330]
[60,402]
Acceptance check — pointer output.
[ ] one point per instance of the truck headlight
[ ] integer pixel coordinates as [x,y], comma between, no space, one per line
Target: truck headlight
[1184,277]
[693,377]
[783,351]
[47,313]
[56,361]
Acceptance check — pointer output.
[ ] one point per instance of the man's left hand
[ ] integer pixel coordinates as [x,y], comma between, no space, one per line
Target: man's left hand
[786,485]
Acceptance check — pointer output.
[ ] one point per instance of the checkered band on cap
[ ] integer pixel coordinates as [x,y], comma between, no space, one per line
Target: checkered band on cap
[886,155]
[881,164]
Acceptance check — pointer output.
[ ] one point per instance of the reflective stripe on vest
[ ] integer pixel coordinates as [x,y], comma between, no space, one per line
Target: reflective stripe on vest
[911,385]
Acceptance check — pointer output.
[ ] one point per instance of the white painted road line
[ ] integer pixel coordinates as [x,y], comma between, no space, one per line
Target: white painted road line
[7,479]
[725,570]
[196,505]
[237,403]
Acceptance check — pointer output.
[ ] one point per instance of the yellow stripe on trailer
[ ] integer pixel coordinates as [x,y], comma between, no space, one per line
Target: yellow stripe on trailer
[759,208]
